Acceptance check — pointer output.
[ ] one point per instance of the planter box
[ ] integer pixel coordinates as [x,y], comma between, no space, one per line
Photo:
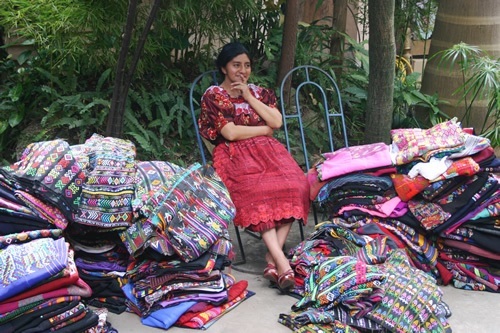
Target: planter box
[419,48]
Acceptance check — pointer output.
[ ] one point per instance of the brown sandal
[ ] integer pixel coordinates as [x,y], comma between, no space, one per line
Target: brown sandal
[271,273]
[286,280]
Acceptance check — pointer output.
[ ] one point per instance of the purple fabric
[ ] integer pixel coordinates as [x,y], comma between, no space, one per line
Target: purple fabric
[214,298]
[24,265]
[99,266]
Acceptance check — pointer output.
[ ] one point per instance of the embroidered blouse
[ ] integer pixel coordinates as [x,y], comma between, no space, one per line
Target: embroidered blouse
[218,109]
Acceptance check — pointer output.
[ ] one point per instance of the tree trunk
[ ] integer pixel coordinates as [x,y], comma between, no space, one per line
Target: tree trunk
[339,23]
[289,42]
[123,74]
[382,55]
[114,126]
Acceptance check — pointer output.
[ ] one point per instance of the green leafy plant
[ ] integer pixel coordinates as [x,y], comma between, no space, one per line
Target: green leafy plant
[480,81]
[407,97]
[72,112]
[153,119]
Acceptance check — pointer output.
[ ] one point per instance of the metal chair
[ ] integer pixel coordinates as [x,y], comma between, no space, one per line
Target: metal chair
[202,82]
[308,82]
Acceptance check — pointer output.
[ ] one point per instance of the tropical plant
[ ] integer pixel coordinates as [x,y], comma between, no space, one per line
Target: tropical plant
[480,81]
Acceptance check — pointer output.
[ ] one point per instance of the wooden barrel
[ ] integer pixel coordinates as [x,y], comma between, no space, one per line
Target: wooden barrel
[475,22]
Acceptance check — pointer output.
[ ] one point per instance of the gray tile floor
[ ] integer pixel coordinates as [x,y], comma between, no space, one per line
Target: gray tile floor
[472,311]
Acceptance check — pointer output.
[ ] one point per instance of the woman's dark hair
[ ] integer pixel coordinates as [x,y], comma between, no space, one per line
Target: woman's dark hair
[229,52]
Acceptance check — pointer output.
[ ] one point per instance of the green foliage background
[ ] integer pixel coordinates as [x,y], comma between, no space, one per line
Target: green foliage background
[61,85]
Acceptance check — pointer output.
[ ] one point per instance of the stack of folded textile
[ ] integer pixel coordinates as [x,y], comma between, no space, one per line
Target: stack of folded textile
[41,289]
[89,226]
[180,245]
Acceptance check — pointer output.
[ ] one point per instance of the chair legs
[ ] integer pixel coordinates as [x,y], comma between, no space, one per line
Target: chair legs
[315,214]
[242,251]
[301,228]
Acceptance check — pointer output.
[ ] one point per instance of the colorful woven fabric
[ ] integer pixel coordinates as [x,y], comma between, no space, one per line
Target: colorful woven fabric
[49,170]
[24,237]
[196,211]
[151,175]
[342,280]
[320,320]
[14,206]
[407,187]
[211,312]
[22,266]
[68,276]
[107,193]
[410,300]
[207,318]
[44,210]
[462,167]
[412,143]
[429,214]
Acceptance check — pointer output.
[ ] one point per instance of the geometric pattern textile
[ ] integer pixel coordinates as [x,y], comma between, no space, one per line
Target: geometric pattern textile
[107,193]
[49,170]
[195,211]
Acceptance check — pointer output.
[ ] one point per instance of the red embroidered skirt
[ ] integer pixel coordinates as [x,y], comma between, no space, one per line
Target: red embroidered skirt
[266,185]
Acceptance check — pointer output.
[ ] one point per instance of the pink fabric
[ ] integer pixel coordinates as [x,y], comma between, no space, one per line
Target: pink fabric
[391,208]
[412,143]
[357,158]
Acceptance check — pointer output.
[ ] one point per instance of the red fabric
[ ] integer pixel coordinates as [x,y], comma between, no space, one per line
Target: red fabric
[407,187]
[483,155]
[79,288]
[445,273]
[264,181]
[315,184]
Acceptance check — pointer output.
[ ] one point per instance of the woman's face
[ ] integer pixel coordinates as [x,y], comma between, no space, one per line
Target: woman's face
[238,69]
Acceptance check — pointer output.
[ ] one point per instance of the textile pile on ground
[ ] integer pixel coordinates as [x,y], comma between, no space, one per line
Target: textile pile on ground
[88,229]
[400,220]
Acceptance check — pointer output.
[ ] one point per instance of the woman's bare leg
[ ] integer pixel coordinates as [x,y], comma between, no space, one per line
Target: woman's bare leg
[270,238]
[282,233]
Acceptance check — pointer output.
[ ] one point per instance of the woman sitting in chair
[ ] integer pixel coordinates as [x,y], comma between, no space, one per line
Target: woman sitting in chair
[267,186]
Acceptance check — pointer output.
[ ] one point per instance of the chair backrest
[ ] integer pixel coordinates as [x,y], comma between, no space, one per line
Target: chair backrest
[198,87]
[307,83]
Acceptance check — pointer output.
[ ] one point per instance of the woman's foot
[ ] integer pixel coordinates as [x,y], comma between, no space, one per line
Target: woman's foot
[270,272]
[286,276]
[286,280]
